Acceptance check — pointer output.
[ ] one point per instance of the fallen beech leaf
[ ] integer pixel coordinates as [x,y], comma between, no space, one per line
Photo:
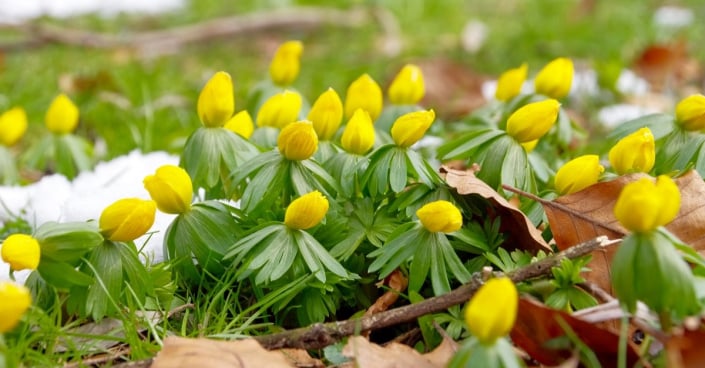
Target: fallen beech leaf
[204,353]
[443,353]
[686,350]
[536,324]
[582,216]
[300,358]
[397,283]
[522,233]
[370,355]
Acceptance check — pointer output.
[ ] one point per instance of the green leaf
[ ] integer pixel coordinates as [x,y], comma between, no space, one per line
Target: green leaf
[423,256]
[62,275]
[396,251]
[397,170]
[67,242]
[107,265]
[464,146]
[491,166]
[659,124]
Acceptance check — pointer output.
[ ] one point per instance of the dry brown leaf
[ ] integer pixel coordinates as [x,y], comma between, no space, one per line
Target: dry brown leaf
[397,283]
[204,353]
[582,216]
[443,353]
[370,355]
[686,350]
[522,233]
[300,358]
[453,89]
[536,324]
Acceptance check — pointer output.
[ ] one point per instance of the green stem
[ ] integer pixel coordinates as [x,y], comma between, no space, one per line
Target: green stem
[623,334]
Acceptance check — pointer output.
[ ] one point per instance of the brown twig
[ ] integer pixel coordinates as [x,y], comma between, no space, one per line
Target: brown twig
[320,335]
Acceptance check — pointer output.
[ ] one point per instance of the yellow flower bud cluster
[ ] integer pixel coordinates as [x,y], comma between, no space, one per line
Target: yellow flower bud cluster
[643,205]
[553,80]
[171,188]
[440,216]
[492,311]
[634,153]
[13,125]
[510,82]
[408,86]
[306,211]
[531,121]
[298,141]
[21,252]
[279,110]
[578,174]
[16,299]
[326,114]
[364,93]
[690,113]
[411,127]
[62,115]
[286,63]
[359,134]
[127,219]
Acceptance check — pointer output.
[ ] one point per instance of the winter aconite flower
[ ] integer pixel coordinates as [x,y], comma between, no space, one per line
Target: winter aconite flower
[530,145]
[171,188]
[127,219]
[16,299]
[279,110]
[634,153]
[440,216]
[298,141]
[62,115]
[359,134]
[306,211]
[690,113]
[408,86]
[21,252]
[643,205]
[532,121]
[411,127]
[510,82]
[241,123]
[216,103]
[578,174]
[13,125]
[555,79]
[364,93]
[326,114]
[286,63]
[492,310]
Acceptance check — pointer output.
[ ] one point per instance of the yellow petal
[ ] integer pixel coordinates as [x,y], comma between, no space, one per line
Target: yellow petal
[241,123]
[13,125]
[555,79]
[642,206]
[286,63]
[510,82]
[16,299]
[171,188]
[359,134]
[21,252]
[364,93]
[533,120]
[306,211]
[408,86]
[127,219]
[634,153]
[440,216]
[690,112]
[298,141]
[326,114]
[492,311]
[216,103]
[62,115]
[411,127]
[280,110]
[578,174]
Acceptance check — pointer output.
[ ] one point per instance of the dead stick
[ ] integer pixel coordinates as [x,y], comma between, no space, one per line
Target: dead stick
[320,335]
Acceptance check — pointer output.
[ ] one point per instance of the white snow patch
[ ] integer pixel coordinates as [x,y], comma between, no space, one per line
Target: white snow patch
[23,10]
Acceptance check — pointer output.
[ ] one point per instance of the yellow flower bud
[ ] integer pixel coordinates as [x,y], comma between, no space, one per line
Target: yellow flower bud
[306,211]
[532,121]
[359,134]
[530,145]
[216,103]
[241,123]
[62,115]
[13,125]
[21,252]
[286,63]
[634,153]
[411,127]
[690,112]
[279,110]
[642,206]
[510,82]
[16,299]
[298,141]
[171,188]
[440,216]
[555,79]
[364,93]
[492,311]
[408,87]
[326,114]
[127,219]
[578,174]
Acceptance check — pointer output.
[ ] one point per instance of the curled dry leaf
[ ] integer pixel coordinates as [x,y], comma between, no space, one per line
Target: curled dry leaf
[686,349]
[522,233]
[366,354]
[204,353]
[397,283]
[589,213]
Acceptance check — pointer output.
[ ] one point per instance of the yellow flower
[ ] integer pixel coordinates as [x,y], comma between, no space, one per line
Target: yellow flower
[492,310]
[306,211]
[411,127]
[16,299]
[13,125]
[279,110]
[690,112]
[642,206]
[359,134]
[364,93]
[510,82]
[171,188]
[532,121]
[326,114]
[530,145]
[62,115]
[408,87]
[127,219]
[286,63]
[298,141]
[21,252]
[555,78]
[440,216]
[216,103]
[578,174]
[634,153]
[241,123]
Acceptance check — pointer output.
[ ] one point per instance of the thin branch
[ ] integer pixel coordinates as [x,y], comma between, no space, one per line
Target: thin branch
[320,335]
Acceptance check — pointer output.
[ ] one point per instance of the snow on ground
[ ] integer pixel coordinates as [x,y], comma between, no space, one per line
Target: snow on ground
[16,11]
[54,198]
